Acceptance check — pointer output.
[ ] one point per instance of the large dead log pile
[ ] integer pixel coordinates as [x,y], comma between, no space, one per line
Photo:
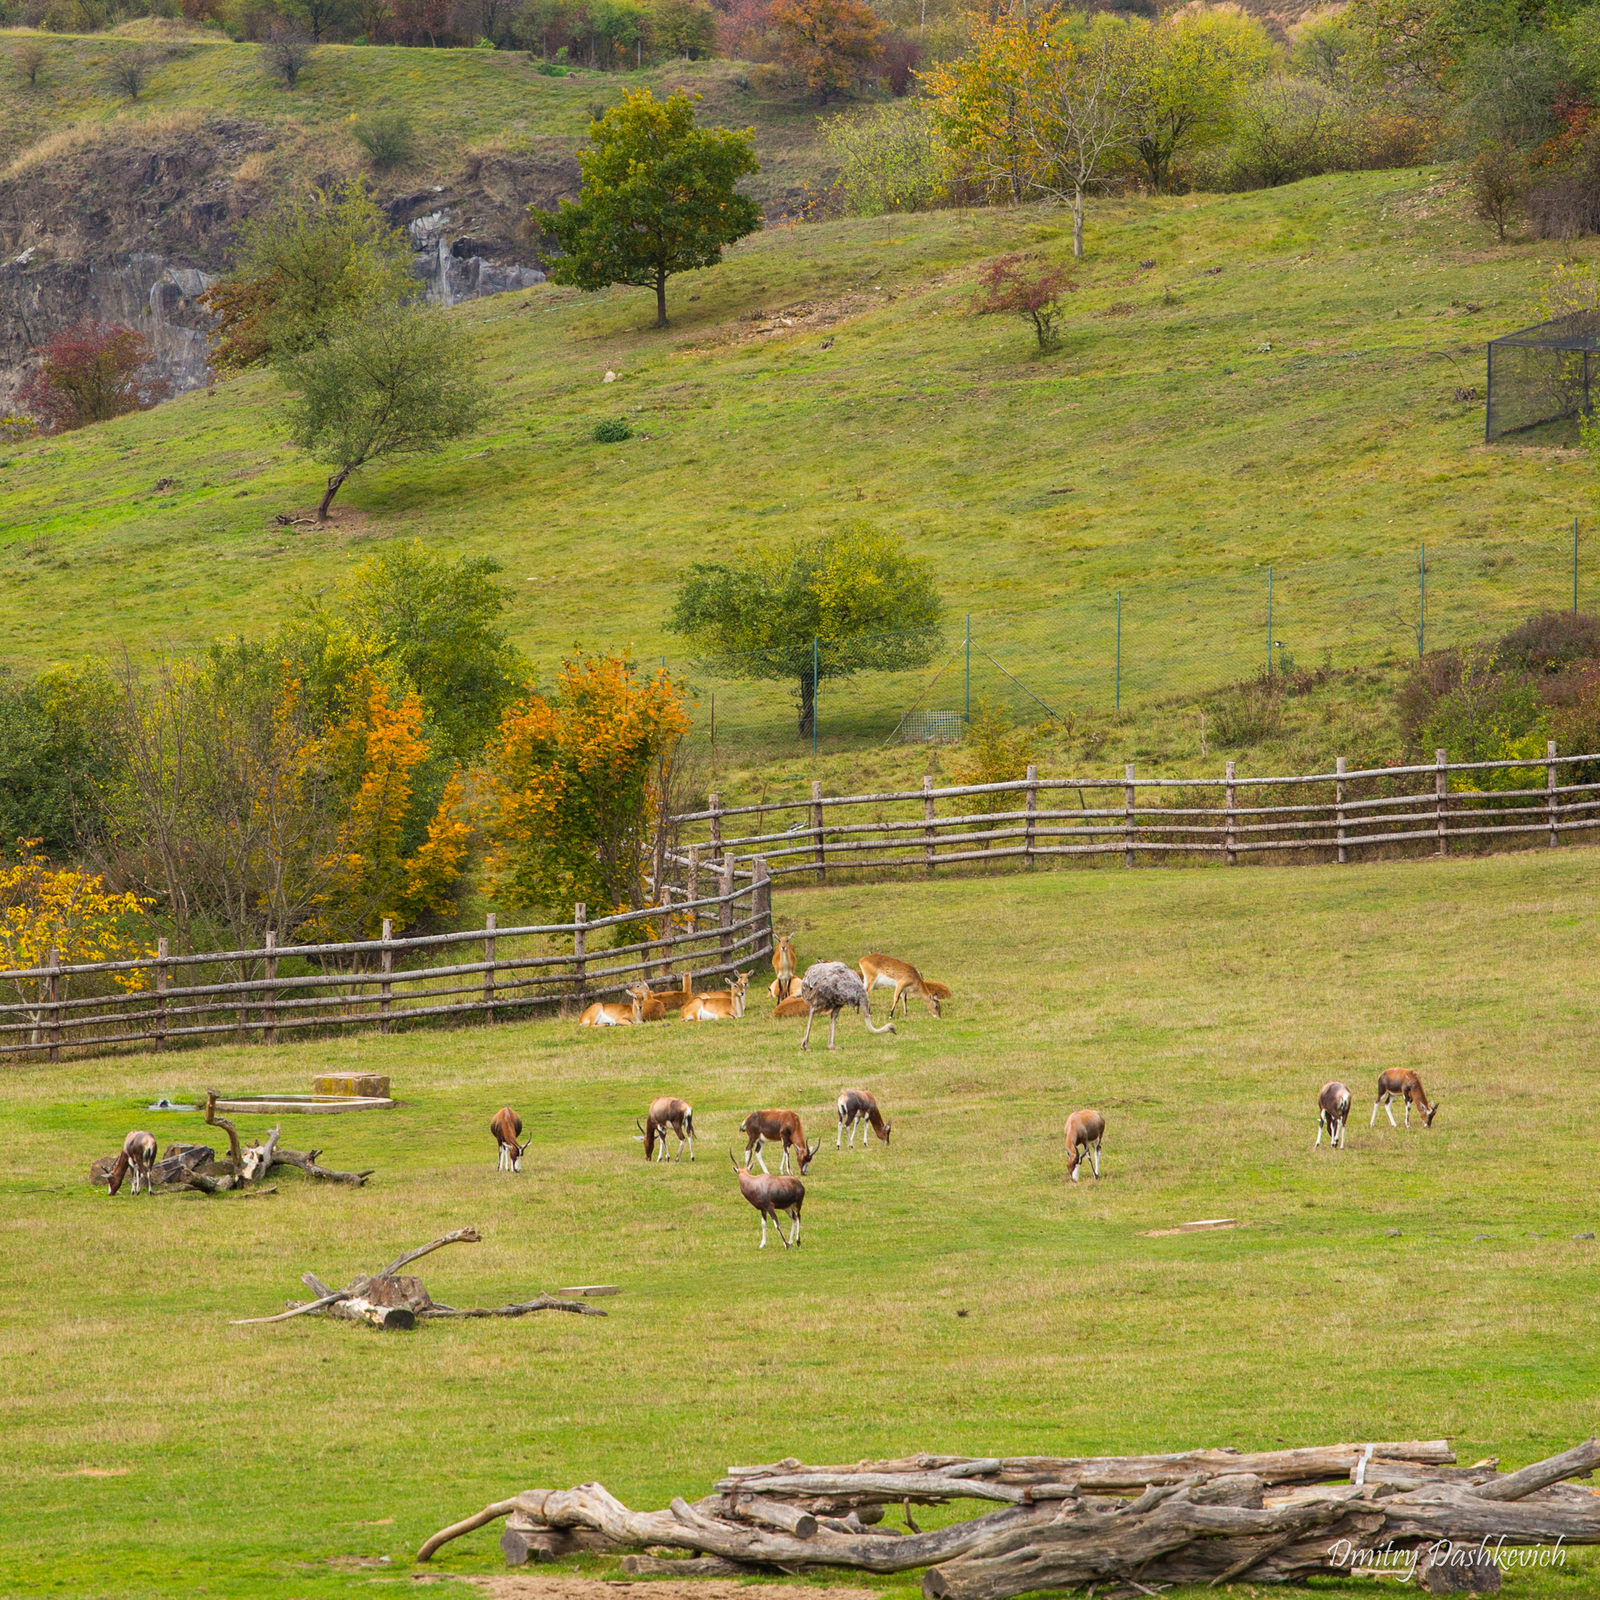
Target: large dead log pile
[1145,1522]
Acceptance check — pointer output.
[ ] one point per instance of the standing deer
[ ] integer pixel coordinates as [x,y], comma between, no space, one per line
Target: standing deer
[1333,1112]
[1408,1084]
[666,1112]
[760,1126]
[887,972]
[139,1154]
[783,967]
[506,1126]
[1085,1129]
[770,1195]
[717,1007]
[856,1106]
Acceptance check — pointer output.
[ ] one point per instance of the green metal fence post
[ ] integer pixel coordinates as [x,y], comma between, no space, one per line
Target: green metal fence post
[1422,598]
[967,719]
[1119,650]
[816,672]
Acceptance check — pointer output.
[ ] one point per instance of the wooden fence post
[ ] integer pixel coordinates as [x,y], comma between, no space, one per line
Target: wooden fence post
[1033,805]
[1230,819]
[716,826]
[1550,788]
[488,955]
[1127,815]
[694,887]
[929,834]
[666,934]
[580,915]
[386,967]
[161,992]
[761,899]
[1338,802]
[53,992]
[816,828]
[1441,787]
[269,1008]
[725,911]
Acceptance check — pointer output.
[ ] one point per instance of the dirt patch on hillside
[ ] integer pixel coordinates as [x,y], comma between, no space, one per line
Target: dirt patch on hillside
[516,1586]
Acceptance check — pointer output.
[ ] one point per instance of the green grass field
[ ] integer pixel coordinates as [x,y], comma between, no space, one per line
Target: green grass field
[152,1449]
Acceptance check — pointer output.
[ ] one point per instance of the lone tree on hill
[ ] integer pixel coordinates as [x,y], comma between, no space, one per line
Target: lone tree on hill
[91,373]
[287,53]
[398,383]
[130,71]
[657,198]
[816,607]
[829,43]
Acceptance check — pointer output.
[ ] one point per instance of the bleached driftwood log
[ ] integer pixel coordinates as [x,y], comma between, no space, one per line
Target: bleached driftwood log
[1219,1521]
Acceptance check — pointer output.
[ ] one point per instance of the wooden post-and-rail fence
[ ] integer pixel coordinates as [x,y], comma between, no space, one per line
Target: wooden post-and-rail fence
[381,983]
[1336,816]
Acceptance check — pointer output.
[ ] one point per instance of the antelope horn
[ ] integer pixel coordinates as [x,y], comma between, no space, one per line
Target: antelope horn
[735,1161]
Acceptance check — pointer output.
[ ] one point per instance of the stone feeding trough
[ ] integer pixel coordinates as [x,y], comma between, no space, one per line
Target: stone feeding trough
[358,1092]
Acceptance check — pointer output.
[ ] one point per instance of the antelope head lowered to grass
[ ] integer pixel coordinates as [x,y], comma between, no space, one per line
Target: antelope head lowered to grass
[888,972]
[719,1007]
[762,1127]
[1404,1082]
[138,1154]
[506,1126]
[855,1107]
[1085,1130]
[666,1112]
[770,1195]
[1333,1112]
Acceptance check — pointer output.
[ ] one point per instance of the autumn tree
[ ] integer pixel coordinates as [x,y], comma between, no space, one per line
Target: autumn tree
[829,43]
[90,373]
[1014,285]
[813,607]
[29,59]
[658,198]
[577,784]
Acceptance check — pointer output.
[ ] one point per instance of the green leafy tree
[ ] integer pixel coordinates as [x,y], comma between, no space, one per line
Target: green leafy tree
[893,158]
[397,384]
[811,608]
[658,198]
[318,16]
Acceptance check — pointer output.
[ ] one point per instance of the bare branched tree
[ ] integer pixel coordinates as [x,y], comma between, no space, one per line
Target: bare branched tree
[130,71]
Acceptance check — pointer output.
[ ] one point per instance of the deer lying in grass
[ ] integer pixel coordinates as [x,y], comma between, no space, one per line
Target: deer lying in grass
[761,1126]
[1408,1084]
[666,1112]
[718,1007]
[506,1126]
[1085,1130]
[641,1006]
[856,1106]
[888,972]
[138,1155]
[770,1195]
[1333,1112]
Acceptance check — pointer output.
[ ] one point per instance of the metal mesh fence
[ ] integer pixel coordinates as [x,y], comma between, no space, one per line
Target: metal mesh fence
[1099,652]
[1542,374]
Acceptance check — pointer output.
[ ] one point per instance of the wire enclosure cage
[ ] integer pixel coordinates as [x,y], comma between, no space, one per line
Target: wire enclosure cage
[1542,374]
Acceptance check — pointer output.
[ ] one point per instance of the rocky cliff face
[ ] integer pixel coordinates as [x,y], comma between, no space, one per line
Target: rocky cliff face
[132,231]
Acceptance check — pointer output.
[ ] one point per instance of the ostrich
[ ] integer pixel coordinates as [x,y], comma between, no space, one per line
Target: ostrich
[831,986]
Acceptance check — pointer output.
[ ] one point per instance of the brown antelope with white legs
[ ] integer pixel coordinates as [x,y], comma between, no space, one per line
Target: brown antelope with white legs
[856,1107]
[1333,1113]
[725,1006]
[887,972]
[506,1126]
[666,1112]
[138,1155]
[1085,1130]
[770,1195]
[1407,1084]
[763,1127]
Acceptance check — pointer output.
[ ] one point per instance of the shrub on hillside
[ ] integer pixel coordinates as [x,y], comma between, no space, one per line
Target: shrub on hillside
[287,53]
[28,60]
[890,159]
[612,430]
[130,71]
[1247,714]
[386,137]
[1027,288]
[1551,642]
[91,373]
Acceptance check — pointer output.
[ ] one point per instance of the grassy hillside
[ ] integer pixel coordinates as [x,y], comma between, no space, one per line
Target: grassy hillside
[1414,1285]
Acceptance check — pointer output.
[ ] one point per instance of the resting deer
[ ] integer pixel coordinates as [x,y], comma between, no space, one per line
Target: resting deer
[720,1006]
[1408,1084]
[1085,1130]
[770,1195]
[506,1126]
[887,972]
[795,1006]
[761,1126]
[1333,1112]
[855,1107]
[666,1112]
[640,1006]
[138,1153]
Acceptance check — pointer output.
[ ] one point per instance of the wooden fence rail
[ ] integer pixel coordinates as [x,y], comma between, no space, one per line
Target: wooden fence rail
[1403,810]
[252,994]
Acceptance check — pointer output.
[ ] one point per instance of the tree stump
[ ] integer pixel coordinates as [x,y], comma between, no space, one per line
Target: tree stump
[1458,1571]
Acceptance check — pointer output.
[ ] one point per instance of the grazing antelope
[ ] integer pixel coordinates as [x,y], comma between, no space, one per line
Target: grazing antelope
[886,972]
[855,1107]
[138,1153]
[761,1126]
[717,1007]
[1408,1084]
[1333,1112]
[770,1195]
[666,1112]
[506,1126]
[1085,1129]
